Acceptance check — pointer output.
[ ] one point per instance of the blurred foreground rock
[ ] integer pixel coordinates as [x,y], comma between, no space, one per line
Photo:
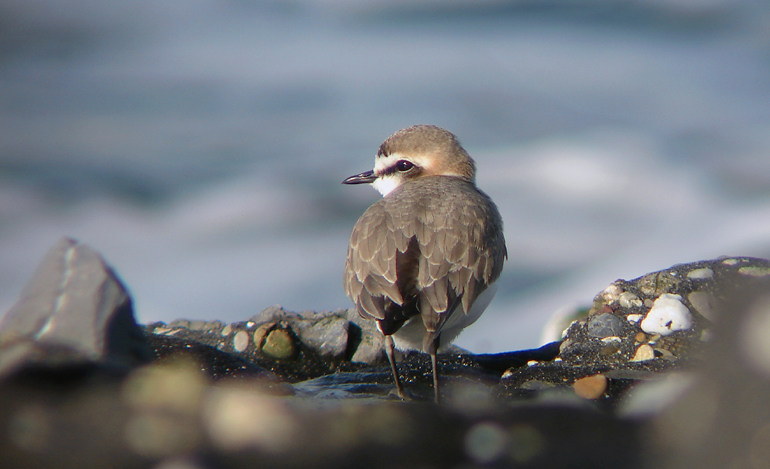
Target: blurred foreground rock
[668,370]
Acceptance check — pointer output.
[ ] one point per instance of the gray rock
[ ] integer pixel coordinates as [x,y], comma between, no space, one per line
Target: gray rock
[332,334]
[74,300]
[604,325]
[328,334]
[370,347]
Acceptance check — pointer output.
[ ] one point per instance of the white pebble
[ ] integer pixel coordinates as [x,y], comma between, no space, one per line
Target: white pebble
[634,317]
[667,315]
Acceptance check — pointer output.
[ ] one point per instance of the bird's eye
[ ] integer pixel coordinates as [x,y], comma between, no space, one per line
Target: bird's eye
[404,165]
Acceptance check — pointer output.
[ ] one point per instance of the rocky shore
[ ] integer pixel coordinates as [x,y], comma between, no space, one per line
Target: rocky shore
[671,369]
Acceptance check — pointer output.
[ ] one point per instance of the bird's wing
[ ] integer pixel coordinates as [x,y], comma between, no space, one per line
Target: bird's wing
[439,254]
[370,268]
[463,250]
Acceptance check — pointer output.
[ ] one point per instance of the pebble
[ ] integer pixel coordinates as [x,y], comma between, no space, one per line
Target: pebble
[604,325]
[629,300]
[754,271]
[667,315]
[241,341]
[590,387]
[703,303]
[261,333]
[643,353]
[700,273]
[226,330]
[634,317]
[279,344]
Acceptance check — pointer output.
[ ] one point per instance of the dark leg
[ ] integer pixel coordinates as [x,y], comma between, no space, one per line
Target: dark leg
[433,350]
[390,350]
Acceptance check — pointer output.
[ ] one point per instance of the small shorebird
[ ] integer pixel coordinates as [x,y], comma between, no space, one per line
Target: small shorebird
[422,261]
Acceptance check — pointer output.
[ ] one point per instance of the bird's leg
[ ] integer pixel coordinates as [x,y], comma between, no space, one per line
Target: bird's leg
[433,349]
[390,350]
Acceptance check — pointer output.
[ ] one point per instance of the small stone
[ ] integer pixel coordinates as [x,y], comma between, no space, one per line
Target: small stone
[327,335]
[226,330]
[703,302]
[643,353]
[250,324]
[604,325]
[198,325]
[183,323]
[665,353]
[700,273]
[657,283]
[730,261]
[261,333]
[371,346]
[609,350]
[611,293]
[590,387]
[634,317]
[279,344]
[241,341]
[667,315]
[754,271]
[640,337]
[536,385]
[629,300]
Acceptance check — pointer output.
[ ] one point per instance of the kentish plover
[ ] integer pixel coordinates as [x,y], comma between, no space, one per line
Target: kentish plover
[422,261]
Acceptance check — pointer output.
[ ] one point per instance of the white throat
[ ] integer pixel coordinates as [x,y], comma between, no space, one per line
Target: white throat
[386,184]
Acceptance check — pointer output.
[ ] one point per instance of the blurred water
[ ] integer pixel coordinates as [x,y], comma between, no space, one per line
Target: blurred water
[200,145]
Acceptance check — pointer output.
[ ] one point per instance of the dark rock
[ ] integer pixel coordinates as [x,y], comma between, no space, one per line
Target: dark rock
[604,325]
[73,301]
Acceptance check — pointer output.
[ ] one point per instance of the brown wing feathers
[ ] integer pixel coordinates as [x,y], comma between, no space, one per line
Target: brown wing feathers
[426,260]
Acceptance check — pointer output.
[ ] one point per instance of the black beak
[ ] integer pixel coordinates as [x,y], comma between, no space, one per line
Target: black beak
[367,177]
